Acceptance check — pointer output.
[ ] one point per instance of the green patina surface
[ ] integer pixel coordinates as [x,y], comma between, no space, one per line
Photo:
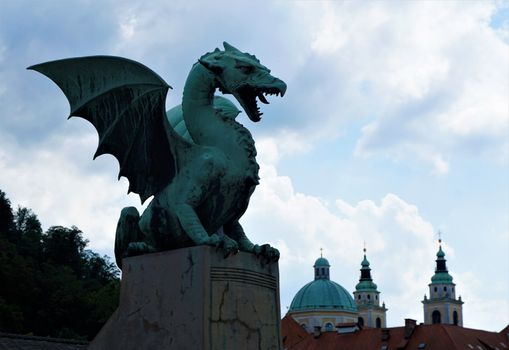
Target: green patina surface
[321,262]
[196,160]
[323,294]
[441,275]
[366,283]
[440,253]
[365,263]
[366,286]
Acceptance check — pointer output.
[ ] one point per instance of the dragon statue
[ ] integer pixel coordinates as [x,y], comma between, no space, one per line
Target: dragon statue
[196,160]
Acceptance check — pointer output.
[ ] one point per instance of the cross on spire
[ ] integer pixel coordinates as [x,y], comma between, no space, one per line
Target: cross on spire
[321,250]
[439,236]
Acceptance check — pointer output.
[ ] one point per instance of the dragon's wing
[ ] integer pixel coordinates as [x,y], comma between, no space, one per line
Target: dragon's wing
[125,102]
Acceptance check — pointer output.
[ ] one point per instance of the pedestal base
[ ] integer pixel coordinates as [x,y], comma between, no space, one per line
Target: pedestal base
[195,299]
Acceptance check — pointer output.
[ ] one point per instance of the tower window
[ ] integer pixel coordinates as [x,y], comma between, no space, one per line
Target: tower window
[435,289]
[455,317]
[445,289]
[376,297]
[359,297]
[329,327]
[435,317]
[369,296]
[378,322]
[360,321]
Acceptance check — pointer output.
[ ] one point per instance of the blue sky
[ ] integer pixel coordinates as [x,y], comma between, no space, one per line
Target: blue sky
[395,125]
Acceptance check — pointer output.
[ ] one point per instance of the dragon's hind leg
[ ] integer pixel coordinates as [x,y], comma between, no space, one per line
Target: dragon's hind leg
[129,239]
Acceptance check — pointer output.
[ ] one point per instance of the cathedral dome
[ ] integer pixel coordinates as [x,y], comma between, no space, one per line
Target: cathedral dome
[323,294]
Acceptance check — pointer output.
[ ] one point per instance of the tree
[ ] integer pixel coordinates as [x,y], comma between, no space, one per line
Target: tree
[65,246]
[50,284]
[6,217]
[29,230]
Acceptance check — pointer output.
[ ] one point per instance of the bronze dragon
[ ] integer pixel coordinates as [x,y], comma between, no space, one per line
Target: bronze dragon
[196,160]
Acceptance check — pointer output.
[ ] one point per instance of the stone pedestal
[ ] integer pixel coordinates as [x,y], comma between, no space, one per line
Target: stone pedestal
[195,299]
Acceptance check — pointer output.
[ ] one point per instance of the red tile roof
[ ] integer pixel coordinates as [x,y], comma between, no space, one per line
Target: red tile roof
[438,336]
[292,332]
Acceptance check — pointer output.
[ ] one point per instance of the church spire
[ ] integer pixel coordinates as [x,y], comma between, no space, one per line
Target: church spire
[441,266]
[366,296]
[442,305]
[365,269]
[441,274]
[365,281]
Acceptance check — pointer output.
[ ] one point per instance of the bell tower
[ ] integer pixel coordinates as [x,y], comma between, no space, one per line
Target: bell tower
[442,305]
[367,298]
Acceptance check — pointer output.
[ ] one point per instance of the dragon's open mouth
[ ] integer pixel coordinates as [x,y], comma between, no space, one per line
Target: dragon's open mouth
[247,96]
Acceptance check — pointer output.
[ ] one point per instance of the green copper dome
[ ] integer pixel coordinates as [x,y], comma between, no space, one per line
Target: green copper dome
[441,277]
[366,286]
[321,262]
[323,294]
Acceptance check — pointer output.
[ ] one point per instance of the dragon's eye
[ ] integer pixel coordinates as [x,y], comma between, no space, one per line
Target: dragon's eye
[247,69]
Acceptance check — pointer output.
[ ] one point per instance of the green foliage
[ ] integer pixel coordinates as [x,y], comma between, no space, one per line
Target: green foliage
[50,284]
[6,217]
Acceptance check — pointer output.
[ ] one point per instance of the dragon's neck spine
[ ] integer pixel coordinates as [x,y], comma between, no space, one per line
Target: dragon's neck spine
[197,101]
[245,140]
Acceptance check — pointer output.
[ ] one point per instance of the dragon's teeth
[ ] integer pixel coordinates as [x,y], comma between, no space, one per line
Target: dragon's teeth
[263,99]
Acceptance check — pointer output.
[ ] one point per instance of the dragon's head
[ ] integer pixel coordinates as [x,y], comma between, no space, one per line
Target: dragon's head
[243,76]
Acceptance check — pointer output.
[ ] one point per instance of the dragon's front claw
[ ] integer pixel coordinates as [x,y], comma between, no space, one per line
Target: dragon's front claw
[213,240]
[267,252]
[229,246]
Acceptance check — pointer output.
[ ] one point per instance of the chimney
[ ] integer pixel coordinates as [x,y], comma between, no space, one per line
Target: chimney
[317,331]
[409,327]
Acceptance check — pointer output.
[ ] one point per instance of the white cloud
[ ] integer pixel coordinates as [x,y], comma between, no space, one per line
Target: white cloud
[433,74]
[62,190]
[400,242]
[484,308]
[128,25]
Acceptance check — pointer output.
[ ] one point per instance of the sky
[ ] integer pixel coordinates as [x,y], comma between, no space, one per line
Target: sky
[395,126]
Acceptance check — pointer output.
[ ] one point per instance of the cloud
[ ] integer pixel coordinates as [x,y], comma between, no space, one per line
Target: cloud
[482,310]
[436,92]
[63,189]
[399,240]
